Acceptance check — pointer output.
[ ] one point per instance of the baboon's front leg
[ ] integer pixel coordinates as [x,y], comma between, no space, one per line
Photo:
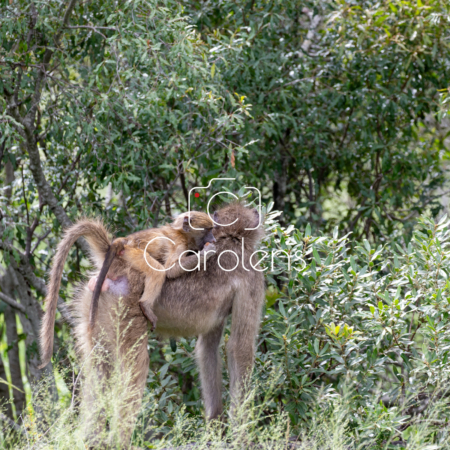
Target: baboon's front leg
[209,364]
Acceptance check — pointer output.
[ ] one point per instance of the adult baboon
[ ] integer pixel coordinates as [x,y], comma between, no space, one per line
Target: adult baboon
[194,304]
[199,303]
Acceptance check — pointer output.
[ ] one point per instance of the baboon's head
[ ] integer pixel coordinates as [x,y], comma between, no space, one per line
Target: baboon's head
[198,228]
[238,221]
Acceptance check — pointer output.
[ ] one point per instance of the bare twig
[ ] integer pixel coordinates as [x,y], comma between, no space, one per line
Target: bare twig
[183,183]
[315,22]
[94,29]
[69,172]
[2,150]
[27,272]
[11,302]
[46,194]
[40,239]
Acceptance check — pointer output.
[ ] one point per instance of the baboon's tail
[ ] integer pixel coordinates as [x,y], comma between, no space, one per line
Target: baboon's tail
[113,251]
[99,241]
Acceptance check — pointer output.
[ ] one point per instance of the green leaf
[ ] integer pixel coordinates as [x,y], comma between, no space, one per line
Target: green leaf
[307,230]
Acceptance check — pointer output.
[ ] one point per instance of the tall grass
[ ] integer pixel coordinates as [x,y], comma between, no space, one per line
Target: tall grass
[333,426]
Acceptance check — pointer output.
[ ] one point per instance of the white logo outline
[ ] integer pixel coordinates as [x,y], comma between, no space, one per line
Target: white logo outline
[145,254]
[222,192]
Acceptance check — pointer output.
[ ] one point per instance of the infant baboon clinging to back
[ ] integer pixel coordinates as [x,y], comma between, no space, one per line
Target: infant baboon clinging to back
[162,256]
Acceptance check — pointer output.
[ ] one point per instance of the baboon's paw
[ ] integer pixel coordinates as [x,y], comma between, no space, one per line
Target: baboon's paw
[150,315]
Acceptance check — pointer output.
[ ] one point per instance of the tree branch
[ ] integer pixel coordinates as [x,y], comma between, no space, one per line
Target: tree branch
[183,184]
[46,194]
[315,22]
[94,29]
[27,272]
[11,302]
[2,150]
[30,117]
[69,172]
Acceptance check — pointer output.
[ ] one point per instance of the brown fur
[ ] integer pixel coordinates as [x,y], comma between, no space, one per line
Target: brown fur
[198,304]
[193,304]
[164,247]
[98,238]
[117,343]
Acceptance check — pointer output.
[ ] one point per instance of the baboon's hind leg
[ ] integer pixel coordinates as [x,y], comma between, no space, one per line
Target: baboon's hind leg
[154,279]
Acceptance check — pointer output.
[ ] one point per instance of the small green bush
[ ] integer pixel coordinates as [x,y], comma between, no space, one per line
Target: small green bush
[372,320]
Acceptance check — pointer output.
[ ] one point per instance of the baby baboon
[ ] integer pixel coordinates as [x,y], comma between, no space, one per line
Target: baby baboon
[198,304]
[120,280]
[168,244]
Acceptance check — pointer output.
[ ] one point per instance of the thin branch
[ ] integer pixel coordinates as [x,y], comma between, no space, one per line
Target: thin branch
[315,22]
[94,29]
[183,185]
[29,118]
[69,172]
[40,239]
[24,196]
[155,221]
[17,87]
[2,150]
[291,83]
[46,194]
[27,272]
[11,302]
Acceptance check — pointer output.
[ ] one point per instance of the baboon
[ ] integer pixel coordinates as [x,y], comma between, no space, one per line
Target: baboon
[198,303]
[194,304]
[190,231]
[121,281]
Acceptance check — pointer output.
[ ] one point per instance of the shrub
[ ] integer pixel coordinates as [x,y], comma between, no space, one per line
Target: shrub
[375,320]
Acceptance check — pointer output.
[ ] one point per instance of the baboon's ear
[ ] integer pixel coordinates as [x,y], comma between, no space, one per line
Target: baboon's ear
[186,227]
[216,219]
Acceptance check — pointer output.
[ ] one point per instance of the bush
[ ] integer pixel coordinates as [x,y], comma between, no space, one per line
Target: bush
[372,320]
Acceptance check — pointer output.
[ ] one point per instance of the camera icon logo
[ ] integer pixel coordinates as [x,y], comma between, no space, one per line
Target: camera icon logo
[197,194]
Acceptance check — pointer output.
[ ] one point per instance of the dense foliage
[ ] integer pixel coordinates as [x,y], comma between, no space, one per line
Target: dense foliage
[340,103]
[373,320]
[372,323]
[334,110]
